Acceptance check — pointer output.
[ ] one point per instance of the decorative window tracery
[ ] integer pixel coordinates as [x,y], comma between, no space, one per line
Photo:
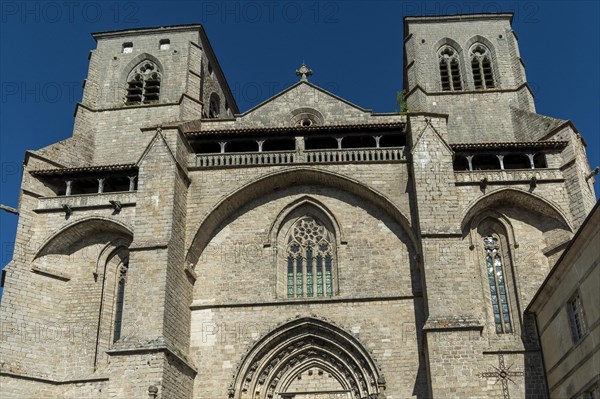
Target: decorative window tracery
[481,64]
[120,300]
[310,259]
[143,84]
[497,281]
[449,69]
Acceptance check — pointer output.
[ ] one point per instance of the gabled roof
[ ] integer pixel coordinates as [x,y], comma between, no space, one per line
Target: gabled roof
[292,87]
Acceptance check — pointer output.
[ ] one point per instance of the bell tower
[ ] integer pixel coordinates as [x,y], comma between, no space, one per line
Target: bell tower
[467,66]
[147,77]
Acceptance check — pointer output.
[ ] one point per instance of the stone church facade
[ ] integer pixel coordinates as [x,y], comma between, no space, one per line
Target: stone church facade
[308,248]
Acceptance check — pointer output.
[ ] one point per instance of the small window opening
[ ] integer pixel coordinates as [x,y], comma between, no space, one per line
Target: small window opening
[164,44]
[127,48]
[575,310]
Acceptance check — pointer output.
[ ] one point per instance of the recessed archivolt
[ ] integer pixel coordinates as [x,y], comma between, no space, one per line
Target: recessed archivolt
[491,214]
[283,179]
[278,358]
[80,229]
[520,198]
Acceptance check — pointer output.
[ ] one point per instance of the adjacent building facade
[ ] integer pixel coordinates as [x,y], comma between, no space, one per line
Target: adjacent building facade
[307,248]
[567,315]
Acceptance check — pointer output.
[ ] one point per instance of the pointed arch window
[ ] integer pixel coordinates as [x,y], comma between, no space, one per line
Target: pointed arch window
[143,84]
[120,300]
[449,69]
[481,65]
[310,259]
[497,280]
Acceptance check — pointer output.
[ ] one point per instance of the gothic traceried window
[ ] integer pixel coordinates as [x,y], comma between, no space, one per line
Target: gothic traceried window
[449,69]
[143,84]
[497,280]
[481,65]
[310,259]
[120,300]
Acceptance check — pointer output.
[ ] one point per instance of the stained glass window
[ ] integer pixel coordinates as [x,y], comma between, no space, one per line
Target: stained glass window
[310,259]
[497,282]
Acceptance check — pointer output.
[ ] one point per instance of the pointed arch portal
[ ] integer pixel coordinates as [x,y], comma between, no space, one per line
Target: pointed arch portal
[308,359]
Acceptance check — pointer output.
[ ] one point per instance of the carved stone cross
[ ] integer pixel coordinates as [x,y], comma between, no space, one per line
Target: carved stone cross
[303,72]
[503,374]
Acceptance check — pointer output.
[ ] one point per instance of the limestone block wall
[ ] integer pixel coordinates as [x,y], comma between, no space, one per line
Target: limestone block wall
[375,257]
[389,329]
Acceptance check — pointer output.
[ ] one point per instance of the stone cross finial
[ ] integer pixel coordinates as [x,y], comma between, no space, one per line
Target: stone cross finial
[303,72]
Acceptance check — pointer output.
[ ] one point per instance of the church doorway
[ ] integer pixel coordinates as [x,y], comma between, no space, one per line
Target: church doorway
[308,358]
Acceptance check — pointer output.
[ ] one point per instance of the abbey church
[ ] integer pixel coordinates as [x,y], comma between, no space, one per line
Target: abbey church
[308,248]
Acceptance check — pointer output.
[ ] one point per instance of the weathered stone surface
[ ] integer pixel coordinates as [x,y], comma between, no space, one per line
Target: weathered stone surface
[202,249]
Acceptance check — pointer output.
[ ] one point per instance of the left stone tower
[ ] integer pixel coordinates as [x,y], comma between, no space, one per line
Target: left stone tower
[101,216]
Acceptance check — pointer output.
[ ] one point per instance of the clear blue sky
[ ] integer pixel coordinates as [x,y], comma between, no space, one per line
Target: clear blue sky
[354,49]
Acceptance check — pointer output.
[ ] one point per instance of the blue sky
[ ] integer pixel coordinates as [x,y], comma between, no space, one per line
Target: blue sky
[354,49]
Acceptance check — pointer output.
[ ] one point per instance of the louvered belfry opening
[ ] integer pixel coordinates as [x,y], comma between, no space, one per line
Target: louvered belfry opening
[143,84]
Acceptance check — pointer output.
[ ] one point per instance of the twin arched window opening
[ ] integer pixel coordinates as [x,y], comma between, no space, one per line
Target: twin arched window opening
[481,67]
[143,84]
[310,255]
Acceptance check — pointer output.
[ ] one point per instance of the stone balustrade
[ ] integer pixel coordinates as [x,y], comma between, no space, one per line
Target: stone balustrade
[388,154]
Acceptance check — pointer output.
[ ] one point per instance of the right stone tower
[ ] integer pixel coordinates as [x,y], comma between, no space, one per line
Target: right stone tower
[467,66]
[498,192]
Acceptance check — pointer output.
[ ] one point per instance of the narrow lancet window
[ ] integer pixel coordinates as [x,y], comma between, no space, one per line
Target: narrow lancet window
[497,281]
[310,259]
[449,69]
[120,300]
[481,65]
